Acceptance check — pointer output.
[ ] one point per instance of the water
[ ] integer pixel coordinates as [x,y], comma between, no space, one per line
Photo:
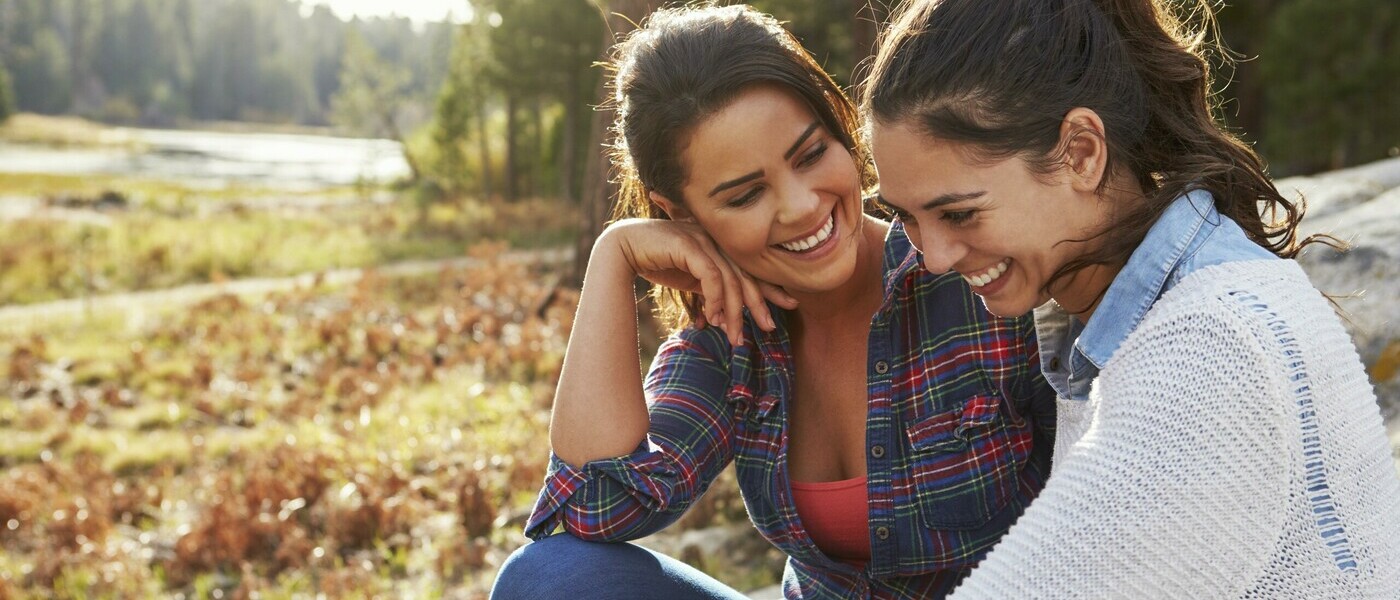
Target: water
[218,159]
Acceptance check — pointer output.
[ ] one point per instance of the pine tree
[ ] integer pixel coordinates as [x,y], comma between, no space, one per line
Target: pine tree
[7,95]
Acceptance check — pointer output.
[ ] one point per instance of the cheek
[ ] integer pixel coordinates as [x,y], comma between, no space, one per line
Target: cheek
[740,238]
[839,170]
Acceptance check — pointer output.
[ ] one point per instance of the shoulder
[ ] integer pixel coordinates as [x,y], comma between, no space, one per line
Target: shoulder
[1220,339]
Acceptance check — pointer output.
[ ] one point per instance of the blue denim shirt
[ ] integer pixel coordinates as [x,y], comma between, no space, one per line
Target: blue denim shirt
[1189,236]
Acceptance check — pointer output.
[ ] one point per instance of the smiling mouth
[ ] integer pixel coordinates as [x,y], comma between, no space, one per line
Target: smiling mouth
[814,240]
[985,277]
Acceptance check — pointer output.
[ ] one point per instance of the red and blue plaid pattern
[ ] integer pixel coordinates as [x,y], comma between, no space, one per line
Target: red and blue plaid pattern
[958,438]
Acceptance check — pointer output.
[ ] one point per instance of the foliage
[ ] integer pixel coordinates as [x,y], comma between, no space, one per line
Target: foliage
[321,440]
[7,95]
[458,120]
[168,235]
[381,438]
[164,61]
[1331,69]
[371,97]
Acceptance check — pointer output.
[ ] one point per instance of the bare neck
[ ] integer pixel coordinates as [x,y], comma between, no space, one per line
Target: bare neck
[857,299]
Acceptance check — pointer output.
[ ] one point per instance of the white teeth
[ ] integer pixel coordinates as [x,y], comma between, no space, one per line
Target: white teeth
[991,275]
[812,240]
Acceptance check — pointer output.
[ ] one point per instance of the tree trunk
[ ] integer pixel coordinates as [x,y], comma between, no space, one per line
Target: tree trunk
[512,160]
[537,171]
[598,187]
[568,153]
[483,147]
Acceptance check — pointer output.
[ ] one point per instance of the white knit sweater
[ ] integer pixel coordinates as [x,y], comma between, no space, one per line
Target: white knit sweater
[1231,448]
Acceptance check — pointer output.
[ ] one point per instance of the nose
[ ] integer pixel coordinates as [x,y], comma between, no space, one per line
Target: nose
[939,250]
[799,202]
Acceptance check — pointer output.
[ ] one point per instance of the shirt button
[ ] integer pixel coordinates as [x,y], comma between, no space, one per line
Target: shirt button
[882,532]
[1055,363]
[878,451]
[882,367]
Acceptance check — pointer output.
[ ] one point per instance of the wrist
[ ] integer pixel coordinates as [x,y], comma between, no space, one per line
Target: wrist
[608,259]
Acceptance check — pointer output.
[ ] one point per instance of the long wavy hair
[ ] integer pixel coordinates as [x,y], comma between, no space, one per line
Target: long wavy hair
[684,65]
[1000,77]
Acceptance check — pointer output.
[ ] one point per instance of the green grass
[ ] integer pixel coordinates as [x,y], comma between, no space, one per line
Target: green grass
[43,260]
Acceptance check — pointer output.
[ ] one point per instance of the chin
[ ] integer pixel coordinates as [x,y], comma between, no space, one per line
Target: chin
[1009,309]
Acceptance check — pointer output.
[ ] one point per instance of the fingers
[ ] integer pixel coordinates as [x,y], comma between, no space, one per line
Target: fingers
[711,286]
[753,298]
[733,320]
[776,295]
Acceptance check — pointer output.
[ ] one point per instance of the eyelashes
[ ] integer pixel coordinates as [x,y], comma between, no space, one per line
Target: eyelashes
[808,159]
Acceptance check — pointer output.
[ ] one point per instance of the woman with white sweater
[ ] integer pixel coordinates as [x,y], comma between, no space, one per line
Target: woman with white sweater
[1217,435]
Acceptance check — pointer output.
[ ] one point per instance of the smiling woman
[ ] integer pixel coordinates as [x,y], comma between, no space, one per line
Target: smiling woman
[884,428]
[1217,436]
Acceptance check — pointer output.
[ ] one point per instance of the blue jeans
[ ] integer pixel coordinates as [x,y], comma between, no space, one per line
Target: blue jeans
[563,566]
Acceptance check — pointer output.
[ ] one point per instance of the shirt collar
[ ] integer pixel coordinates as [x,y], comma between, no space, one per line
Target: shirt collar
[1144,277]
[900,259]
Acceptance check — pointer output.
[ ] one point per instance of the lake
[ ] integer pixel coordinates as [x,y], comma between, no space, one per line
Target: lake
[217,159]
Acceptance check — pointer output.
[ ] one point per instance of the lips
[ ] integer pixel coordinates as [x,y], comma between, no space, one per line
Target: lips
[986,276]
[813,240]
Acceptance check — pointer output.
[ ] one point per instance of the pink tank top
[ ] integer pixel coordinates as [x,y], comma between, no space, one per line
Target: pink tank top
[835,514]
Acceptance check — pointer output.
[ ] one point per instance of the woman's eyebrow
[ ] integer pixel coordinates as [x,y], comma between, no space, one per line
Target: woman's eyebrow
[951,198]
[736,181]
[801,138]
[756,174]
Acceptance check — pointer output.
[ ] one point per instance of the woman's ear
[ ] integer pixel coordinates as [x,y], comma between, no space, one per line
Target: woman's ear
[1085,149]
[675,211]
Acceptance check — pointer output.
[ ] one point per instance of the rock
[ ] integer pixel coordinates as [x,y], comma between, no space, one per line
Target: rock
[1336,191]
[1360,206]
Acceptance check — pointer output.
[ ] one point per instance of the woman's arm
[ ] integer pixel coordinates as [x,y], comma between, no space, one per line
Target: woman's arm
[599,407]
[599,411]
[630,456]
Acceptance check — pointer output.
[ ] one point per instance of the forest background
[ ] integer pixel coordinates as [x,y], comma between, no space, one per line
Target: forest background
[228,378]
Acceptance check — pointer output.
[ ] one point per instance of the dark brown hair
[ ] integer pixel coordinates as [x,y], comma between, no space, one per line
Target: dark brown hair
[686,64]
[1001,75]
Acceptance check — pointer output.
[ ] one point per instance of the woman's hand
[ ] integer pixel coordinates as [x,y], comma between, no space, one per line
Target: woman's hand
[681,255]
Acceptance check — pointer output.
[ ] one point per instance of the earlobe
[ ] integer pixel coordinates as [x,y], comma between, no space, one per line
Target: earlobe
[1085,148]
[675,211]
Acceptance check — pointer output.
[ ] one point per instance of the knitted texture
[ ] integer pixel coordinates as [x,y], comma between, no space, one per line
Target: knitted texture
[1231,448]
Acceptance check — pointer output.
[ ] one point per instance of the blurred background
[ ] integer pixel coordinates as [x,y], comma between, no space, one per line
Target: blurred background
[285,285]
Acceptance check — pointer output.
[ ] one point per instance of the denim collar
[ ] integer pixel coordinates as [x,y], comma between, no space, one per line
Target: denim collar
[1071,354]
[1185,224]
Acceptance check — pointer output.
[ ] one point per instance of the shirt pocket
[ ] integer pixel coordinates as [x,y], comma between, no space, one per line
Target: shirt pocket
[966,462]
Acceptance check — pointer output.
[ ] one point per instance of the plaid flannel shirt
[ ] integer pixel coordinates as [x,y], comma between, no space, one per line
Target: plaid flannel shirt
[958,440]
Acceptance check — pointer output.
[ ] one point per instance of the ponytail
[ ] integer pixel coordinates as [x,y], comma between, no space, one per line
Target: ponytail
[1001,80]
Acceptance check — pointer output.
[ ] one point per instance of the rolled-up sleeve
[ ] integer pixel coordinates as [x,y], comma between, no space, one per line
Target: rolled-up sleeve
[688,444]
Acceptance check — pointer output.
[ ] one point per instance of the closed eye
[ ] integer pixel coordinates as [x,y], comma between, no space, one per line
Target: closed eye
[746,198]
[958,217]
[812,157]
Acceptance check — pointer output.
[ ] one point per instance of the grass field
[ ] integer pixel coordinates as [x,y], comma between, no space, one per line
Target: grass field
[67,243]
[381,439]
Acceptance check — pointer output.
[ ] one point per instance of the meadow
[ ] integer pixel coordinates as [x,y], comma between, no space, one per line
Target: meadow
[381,438]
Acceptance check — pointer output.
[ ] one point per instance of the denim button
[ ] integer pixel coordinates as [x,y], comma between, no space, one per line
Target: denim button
[882,367]
[882,532]
[878,451]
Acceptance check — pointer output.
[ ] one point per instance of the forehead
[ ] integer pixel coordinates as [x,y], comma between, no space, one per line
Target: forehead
[753,130]
[914,167]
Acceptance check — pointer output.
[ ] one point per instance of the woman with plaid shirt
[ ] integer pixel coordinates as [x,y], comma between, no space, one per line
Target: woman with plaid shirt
[885,428]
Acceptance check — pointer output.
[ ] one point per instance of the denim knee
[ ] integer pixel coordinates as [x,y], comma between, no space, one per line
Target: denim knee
[548,567]
[563,566]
